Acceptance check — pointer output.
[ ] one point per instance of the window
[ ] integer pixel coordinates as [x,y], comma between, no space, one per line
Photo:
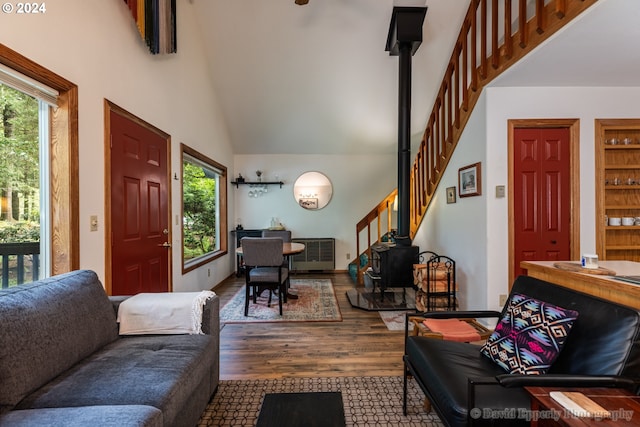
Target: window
[204,209]
[61,180]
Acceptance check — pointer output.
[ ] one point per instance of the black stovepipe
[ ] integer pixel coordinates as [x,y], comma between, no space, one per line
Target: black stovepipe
[404,140]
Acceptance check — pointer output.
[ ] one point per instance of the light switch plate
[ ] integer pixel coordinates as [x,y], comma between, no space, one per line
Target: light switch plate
[500,191]
[93,223]
[502,300]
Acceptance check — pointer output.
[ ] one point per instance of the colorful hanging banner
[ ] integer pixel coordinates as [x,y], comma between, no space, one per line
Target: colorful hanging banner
[156,21]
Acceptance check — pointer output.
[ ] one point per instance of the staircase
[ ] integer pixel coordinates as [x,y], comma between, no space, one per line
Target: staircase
[495,34]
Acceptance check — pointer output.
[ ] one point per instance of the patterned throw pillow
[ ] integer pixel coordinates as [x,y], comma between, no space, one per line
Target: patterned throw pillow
[530,335]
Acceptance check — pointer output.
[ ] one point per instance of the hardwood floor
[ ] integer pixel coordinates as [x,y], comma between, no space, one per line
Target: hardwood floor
[360,345]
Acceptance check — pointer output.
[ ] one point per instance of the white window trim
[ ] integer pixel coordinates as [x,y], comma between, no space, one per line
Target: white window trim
[25,84]
[45,195]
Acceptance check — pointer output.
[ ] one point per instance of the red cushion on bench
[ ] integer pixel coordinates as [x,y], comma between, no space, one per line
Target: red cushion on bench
[453,329]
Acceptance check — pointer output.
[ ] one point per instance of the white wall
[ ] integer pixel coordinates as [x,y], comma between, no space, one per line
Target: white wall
[95,45]
[454,229]
[359,184]
[459,230]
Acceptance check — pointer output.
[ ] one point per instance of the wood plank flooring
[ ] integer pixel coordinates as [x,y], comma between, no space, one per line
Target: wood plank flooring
[360,345]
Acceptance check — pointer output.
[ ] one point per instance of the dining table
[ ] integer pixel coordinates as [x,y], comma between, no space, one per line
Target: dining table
[288,248]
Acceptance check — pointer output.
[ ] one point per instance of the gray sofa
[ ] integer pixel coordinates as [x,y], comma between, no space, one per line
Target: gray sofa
[62,362]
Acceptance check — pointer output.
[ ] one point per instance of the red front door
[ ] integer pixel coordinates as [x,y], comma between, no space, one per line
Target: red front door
[139,208]
[542,202]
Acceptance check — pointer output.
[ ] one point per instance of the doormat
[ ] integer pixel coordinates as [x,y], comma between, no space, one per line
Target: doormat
[368,401]
[316,303]
[317,409]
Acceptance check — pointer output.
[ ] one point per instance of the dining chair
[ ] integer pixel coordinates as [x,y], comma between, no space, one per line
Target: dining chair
[285,235]
[265,269]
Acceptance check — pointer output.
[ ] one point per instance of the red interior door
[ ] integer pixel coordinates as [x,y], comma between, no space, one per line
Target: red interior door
[541,203]
[139,208]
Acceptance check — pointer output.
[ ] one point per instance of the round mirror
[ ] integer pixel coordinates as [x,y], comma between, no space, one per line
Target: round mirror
[312,190]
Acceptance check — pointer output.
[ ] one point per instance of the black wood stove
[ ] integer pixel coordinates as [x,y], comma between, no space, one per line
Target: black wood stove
[393,264]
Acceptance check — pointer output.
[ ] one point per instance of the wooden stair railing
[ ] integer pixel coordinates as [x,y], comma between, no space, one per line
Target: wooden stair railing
[380,217]
[477,59]
[494,35]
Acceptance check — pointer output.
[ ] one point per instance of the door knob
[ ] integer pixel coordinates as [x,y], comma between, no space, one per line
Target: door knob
[165,231]
[165,245]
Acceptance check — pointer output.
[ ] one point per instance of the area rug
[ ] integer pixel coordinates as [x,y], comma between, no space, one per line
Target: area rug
[316,303]
[368,401]
[394,319]
[316,409]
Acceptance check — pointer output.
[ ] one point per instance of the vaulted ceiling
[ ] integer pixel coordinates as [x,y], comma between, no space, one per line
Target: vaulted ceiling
[316,79]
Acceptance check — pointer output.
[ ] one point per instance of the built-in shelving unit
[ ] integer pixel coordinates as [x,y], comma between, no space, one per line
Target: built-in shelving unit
[239,183]
[617,188]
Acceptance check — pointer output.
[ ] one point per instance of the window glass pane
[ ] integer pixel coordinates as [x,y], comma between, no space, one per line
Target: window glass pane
[23,122]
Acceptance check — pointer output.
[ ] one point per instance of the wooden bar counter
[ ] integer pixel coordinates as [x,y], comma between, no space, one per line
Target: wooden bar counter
[603,286]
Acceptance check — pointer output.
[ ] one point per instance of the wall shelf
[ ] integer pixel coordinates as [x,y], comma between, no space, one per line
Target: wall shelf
[626,166]
[621,147]
[238,184]
[617,163]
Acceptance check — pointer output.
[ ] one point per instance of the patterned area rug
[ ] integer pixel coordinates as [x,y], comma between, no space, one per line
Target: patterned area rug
[368,401]
[316,303]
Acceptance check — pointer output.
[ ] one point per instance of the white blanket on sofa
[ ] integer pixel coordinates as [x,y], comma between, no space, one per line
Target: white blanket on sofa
[163,313]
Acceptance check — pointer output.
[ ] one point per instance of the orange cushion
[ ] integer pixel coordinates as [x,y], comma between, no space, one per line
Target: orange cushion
[453,329]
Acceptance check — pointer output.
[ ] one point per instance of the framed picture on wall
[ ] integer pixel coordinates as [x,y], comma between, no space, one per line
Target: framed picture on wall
[469,180]
[451,194]
[309,203]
